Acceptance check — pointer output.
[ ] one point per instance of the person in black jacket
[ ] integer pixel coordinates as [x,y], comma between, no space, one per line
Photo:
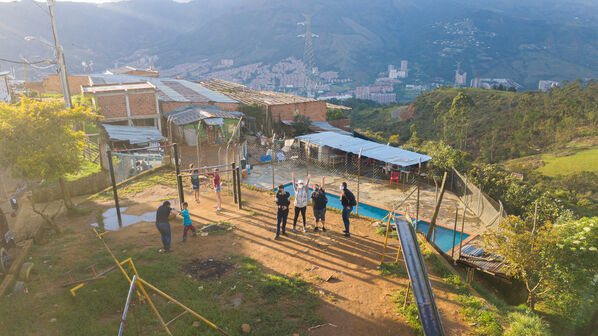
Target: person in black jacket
[348,201]
[319,201]
[282,203]
[163,225]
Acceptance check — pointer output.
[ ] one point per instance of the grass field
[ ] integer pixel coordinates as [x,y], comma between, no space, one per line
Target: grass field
[580,160]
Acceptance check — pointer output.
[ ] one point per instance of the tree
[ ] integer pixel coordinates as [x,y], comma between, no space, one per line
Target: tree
[301,124]
[37,142]
[334,114]
[531,254]
[459,115]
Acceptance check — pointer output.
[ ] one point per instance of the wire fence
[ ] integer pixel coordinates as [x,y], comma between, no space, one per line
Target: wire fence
[487,209]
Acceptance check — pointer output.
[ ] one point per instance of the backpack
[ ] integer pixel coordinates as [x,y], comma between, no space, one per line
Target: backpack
[350,198]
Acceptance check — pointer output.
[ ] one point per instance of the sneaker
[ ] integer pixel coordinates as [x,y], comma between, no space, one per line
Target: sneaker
[348,235]
[277,237]
[324,229]
[218,209]
[284,234]
[304,230]
[316,229]
[294,230]
[344,231]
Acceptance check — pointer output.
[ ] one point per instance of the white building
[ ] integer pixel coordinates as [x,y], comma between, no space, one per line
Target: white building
[546,85]
[4,88]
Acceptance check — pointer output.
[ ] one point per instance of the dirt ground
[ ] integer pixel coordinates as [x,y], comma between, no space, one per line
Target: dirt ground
[358,303]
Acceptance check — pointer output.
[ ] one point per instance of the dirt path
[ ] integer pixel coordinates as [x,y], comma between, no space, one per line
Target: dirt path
[358,303]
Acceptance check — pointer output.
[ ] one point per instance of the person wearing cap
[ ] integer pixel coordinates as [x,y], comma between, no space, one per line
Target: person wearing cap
[282,203]
[319,201]
[301,193]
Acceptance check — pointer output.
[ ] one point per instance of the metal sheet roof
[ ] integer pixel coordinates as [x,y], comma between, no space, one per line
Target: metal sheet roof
[117,87]
[370,149]
[326,127]
[192,113]
[169,89]
[134,135]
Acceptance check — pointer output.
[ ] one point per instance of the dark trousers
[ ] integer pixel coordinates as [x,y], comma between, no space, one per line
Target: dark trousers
[164,228]
[281,218]
[297,211]
[346,214]
[187,228]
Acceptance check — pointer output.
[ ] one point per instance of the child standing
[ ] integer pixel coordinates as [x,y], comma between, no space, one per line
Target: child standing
[195,181]
[216,184]
[187,223]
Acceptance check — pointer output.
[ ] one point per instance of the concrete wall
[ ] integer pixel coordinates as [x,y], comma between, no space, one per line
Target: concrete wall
[315,110]
[86,185]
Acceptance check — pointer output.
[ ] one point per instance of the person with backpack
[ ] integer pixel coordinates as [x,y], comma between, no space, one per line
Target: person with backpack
[282,203]
[301,193]
[348,202]
[319,201]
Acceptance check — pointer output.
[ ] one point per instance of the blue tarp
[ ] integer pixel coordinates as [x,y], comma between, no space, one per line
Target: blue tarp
[370,149]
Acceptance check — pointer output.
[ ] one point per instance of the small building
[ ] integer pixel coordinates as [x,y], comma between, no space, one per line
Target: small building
[209,123]
[334,148]
[127,104]
[277,106]
[53,84]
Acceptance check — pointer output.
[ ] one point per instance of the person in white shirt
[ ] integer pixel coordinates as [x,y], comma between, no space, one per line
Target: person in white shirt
[301,194]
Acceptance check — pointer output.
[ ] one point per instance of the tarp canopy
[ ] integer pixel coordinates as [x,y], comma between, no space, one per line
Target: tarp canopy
[370,149]
[192,113]
[134,135]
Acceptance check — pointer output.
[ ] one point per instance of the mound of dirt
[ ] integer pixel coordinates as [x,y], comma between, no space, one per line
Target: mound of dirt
[206,269]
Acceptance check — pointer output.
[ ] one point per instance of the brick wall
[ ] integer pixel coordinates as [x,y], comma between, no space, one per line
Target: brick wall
[344,124]
[316,110]
[142,103]
[52,84]
[112,106]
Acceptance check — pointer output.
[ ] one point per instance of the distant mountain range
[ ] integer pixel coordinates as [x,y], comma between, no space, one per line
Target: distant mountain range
[522,40]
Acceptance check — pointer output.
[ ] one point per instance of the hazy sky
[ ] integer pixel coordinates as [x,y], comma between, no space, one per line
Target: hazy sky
[96,1]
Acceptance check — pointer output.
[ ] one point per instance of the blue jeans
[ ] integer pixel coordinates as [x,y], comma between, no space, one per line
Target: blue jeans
[164,228]
[346,213]
[281,218]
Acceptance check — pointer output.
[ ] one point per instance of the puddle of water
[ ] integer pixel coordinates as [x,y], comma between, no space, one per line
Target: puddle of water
[111,219]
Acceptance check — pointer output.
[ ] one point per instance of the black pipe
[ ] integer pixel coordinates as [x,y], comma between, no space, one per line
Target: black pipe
[239,187]
[179,179]
[114,193]
[234,182]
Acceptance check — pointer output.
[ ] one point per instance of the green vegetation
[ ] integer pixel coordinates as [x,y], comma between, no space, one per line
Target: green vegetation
[87,168]
[393,270]
[271,304]
[526,324]
[37,142]
[580,161]
[485,320]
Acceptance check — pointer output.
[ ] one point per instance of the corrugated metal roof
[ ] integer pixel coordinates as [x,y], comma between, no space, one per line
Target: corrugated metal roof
[326,127]
[192,113]
[134,135]
[169,89]
[370,149]
[483,260]
[246,96]
[118,87]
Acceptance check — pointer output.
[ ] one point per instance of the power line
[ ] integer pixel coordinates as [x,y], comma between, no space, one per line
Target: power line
[26,62]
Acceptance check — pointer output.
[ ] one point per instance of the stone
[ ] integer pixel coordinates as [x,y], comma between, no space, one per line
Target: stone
[196,324]
[246,328]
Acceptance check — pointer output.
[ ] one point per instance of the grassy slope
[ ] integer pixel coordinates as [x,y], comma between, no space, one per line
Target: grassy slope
[582,160]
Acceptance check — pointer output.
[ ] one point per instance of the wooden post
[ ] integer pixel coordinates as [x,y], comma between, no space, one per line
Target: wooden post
[418,187]
[407,295]
[385,239]
[358,177]
[114,192]
[438,202]
[346,163]
[239,188]
[179,179]
[454,231]
[462,227]
[234,182]
[307,158]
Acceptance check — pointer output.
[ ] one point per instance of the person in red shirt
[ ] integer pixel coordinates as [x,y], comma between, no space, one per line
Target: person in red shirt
[216,185]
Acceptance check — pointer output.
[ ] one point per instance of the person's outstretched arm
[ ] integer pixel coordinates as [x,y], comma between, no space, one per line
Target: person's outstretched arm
[307,183]
[294,184]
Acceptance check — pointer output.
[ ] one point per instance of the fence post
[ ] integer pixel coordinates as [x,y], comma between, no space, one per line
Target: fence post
[272,160]
[307,157]
[234,182]
[179,179]
[239,188]
[462,227]
[114,192]
[358,177]
[418,187]
[454,231]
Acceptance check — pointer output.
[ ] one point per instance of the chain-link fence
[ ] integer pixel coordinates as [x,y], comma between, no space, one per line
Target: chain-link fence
[129,164]
[487,209]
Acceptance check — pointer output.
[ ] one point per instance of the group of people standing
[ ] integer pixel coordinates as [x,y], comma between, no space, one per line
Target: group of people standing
[319,201]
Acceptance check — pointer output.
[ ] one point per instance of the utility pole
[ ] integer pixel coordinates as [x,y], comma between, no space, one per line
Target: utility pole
[60,58]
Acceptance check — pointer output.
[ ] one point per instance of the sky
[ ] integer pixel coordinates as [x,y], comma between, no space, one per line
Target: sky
[92,1]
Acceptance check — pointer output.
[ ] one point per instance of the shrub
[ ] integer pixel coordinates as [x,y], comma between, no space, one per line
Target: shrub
[526,324]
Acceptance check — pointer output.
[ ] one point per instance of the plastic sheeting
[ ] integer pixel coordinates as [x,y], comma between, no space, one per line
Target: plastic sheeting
[370,149]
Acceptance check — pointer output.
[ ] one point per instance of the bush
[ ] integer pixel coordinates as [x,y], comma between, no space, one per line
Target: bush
[526,324]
